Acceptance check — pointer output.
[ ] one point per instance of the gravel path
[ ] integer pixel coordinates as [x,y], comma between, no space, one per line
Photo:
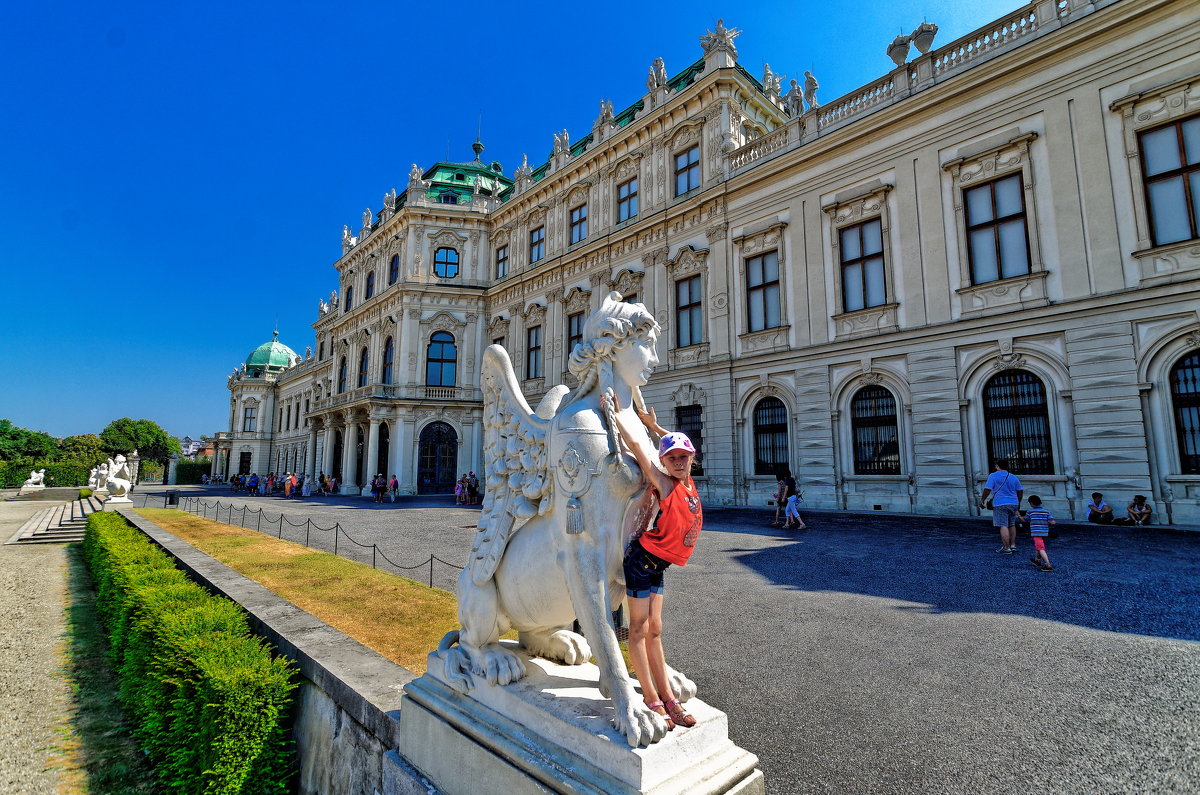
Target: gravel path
[33,693]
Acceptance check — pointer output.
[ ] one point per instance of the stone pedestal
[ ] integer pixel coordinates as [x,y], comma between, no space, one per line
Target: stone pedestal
[30,490]
[113,503]
[552,732]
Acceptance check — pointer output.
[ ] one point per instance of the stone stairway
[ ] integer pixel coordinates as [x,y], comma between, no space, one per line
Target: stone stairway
[58,524]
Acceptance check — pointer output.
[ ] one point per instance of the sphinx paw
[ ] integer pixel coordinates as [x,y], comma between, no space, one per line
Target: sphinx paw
[683,687]
[562,645]
[499,665]
[640,724]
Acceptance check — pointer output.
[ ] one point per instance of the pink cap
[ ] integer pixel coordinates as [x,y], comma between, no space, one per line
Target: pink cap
[675,441]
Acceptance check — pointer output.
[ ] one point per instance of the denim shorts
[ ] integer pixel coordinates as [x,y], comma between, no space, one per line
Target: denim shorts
[1004,515]
[643,572]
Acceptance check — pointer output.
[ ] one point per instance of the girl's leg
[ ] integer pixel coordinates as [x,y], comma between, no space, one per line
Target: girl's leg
[639,623]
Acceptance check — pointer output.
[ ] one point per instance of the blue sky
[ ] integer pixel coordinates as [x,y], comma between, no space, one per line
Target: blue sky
[174,177]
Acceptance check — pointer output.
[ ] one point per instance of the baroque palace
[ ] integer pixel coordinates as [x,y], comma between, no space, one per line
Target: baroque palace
[991,251]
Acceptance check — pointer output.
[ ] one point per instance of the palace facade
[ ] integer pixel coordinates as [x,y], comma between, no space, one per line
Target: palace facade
[991,251]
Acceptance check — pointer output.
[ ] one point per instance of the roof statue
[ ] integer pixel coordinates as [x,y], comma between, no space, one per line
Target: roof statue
[561,502]
[606,113]
[348,239]
[414,178]
[720,39]
[562,142]
[771,81]
[810,90]
[524,171]
[658,75]
[389,201]
[794,101]
[366,221]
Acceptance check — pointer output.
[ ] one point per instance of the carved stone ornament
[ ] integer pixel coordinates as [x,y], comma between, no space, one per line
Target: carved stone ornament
[1192,340]
[626,168]
[768,340]
[535,315]
[552,476]
[443,321]
[447,238]
[577,300]
[497,327]
[1009,361]
[688,395]
[715,232]
[762,240]
[871,379]
[628,282]
[687,136]
[720,39]
[688,261]
[995,161]
[858,208]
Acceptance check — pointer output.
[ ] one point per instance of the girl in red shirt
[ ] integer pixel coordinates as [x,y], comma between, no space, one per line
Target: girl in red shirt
[670,541]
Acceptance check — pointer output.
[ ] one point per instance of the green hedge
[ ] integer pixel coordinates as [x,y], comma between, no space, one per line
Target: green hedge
[189,472]
[209,702]
[58,473]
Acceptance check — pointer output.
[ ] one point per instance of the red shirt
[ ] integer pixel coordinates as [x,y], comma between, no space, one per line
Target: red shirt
[674,536]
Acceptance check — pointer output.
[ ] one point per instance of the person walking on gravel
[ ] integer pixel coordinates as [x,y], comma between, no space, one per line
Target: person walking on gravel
[1006,491]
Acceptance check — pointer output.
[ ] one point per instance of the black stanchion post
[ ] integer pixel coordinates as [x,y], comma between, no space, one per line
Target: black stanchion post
[281,525]
[431,571]
[307,530]
[337,527]
[258,522]
[374,549]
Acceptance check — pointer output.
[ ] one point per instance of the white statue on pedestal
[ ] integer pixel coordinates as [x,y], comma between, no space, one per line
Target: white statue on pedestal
[37,477]
[561,501]
[93,482]
[120,479]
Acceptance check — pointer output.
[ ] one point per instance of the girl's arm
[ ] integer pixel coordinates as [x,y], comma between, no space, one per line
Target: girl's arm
[659,479]
[650,419]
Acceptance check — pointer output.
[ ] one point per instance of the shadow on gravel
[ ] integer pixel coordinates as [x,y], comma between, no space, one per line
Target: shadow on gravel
[1142,582]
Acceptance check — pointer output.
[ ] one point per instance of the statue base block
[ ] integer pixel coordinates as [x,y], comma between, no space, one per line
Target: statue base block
[552,732]
[113,503]
[30,490]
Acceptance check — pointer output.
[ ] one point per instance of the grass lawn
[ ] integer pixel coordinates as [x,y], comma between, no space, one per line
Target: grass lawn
[401,619]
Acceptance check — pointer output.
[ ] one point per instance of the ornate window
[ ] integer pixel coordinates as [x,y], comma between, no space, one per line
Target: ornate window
[389,359]
[250,419]
[441,360]
[627,200]
[364,363]
[762,291]
[537,244]
[342,375]
[533,352]
[349,302]
[875,431]
[394,269]
[1171,175]
[690,420]
[770,437]
[321,352]
[579,223]
[574,330]
[864,281]
[448,198]
[370,286]
[502,261]
[1185,402]
[687,170]
[997,238]
[689,313]
[1017,422]
[445,263]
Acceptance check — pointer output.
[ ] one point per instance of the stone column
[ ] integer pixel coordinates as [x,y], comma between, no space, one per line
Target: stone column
[372,454]
[327,461]
[349,447]
[310,460]
[172,470]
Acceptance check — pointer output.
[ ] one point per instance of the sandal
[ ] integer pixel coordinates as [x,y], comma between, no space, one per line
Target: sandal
[678,714]
[658,707]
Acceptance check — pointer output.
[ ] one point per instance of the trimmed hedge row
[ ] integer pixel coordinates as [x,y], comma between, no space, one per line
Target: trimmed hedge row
[208,700]
[58,473]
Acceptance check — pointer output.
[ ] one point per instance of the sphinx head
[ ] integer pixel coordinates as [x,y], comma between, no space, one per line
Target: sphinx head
[618,333]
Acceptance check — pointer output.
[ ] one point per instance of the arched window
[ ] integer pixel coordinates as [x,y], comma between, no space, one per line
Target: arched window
[1017,423]
[876,435]
[394,269]
[370,285]
[770,437]
[342,375]
[1185,401]
[389,356]
[364,361]
[321,353]
[349,298]
[441,360]
[445,263]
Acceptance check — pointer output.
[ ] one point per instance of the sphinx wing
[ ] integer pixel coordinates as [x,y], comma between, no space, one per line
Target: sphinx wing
[518,486]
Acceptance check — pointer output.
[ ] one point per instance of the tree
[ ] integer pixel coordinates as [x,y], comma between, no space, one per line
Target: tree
[17,442]
[145,436]
[87,449]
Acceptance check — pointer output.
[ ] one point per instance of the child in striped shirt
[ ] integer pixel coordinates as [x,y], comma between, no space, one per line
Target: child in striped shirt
[1040,521]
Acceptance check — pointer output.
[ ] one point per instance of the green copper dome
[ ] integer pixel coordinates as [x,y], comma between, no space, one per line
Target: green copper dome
[271,356]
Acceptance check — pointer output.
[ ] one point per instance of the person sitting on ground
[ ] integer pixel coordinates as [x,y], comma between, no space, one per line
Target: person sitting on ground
[1040,522]
[1099,511]
[1139,510]
[794,522]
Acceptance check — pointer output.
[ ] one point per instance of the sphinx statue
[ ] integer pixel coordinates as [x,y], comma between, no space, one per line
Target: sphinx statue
[120,479]
[37,478]
[562,500]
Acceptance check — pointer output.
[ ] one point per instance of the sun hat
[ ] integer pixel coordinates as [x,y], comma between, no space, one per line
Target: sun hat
[675,441]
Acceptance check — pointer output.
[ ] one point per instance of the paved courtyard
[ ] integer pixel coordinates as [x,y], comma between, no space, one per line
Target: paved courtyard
[881,654]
